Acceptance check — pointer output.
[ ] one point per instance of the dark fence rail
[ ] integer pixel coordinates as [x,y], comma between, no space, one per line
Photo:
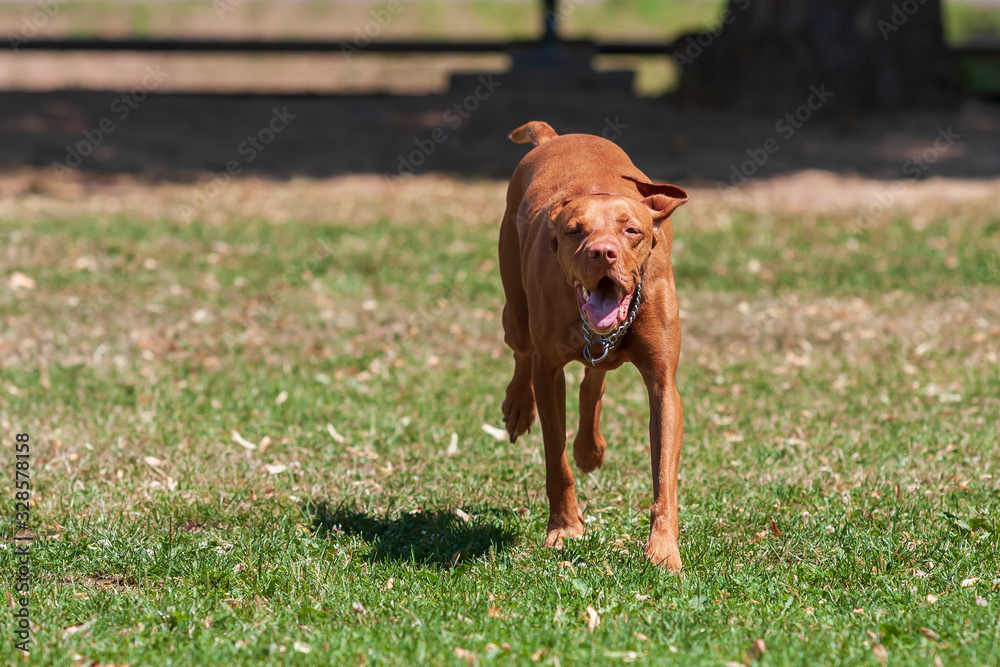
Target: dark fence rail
[327,46]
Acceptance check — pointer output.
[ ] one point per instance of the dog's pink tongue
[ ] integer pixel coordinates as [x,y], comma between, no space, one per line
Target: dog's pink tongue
[601,309]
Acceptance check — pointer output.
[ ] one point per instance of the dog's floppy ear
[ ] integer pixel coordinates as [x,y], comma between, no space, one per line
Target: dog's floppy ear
[553,216]
[660,198]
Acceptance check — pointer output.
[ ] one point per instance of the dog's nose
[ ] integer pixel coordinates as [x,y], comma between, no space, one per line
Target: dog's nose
[605,251]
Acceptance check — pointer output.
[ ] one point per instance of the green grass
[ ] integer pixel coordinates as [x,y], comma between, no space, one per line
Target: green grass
[840,457]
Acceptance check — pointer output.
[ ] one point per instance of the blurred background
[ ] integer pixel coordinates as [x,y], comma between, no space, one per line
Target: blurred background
[688,87]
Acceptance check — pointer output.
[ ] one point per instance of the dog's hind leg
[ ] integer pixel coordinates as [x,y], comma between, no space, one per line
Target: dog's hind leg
[589,444]
[519,403]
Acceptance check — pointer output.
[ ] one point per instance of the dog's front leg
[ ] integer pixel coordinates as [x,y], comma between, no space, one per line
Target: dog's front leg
[550,397]
[666,430]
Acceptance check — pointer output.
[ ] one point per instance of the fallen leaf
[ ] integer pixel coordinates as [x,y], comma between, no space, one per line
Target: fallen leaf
[774,528]
[243,441]
[881,654]
[537,655]
[282,397]
[75,629]
[461,514]
[931,598]
[930,634]
[452,445]
[757,649]
[19,281]
[239,567]
[275,468]
[641,637]
[496,433]
[339,439]
[265,442]
[969,582]
[301,647]
[388,584]
[354,451]
[153,461]
[463,654]
[593,619]
[358,608]
[494,612]
[89,264]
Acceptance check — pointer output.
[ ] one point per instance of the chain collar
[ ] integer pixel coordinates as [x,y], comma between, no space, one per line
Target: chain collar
[609,341]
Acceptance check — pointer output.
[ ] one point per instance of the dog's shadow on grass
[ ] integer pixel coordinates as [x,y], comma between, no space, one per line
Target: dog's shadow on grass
[440,538]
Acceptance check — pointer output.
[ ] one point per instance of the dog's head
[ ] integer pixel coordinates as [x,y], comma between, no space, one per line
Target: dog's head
[603,242]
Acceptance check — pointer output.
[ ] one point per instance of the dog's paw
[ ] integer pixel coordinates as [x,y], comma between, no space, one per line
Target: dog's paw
[663,552]
[562,527]
[588,452]
[518,412]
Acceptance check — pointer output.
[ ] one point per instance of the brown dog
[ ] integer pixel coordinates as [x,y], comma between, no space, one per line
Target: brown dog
[585,263]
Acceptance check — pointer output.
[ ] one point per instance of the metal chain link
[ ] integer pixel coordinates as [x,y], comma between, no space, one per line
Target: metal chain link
[609,341]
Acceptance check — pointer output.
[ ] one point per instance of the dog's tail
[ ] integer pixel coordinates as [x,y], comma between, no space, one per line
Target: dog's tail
[536,132]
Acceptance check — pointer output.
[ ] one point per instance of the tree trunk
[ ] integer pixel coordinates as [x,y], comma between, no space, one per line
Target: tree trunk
[871,54]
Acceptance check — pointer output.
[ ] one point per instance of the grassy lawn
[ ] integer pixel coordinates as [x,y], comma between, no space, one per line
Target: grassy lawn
[840,484]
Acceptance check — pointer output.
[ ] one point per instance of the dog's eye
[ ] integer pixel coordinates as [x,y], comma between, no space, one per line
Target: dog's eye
[632,231]
[574,231]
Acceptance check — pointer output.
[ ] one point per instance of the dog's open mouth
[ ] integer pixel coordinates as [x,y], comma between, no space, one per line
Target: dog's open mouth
[605,307]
